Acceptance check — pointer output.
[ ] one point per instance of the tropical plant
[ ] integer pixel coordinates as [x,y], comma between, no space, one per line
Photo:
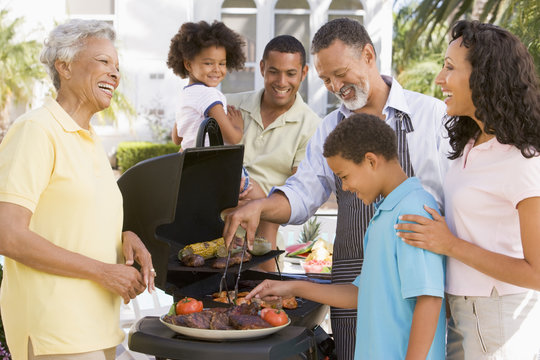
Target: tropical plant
[524,22]
[417,70]
[522,17]
[119,104]
[19,68]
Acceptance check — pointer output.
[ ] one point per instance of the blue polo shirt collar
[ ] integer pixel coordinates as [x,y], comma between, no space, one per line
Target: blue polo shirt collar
[404,189]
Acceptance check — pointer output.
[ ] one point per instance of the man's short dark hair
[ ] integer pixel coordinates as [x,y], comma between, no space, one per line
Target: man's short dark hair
[286,44]
[359,134]
[350,31]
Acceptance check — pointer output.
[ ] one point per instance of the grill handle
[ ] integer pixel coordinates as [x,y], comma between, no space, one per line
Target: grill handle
[211,127]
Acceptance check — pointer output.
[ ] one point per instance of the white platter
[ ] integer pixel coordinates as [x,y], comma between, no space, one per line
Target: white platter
[218,335]
[293,260]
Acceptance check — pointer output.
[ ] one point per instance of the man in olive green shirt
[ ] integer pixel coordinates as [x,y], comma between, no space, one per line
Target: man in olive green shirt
[277,123]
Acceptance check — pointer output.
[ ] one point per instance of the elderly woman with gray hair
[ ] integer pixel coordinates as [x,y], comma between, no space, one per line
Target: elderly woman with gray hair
[67,262]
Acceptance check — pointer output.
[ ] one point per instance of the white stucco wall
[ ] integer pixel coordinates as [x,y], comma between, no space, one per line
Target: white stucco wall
[145,28]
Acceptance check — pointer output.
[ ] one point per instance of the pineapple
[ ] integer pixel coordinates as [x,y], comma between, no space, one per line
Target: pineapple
[310,231]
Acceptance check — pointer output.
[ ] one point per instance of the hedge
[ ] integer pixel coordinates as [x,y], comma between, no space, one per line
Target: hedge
[130,153]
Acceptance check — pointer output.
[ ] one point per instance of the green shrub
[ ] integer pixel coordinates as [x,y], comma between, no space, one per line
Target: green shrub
[130,153]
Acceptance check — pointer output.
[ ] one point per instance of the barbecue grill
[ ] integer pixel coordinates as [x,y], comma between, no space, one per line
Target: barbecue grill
[175,200]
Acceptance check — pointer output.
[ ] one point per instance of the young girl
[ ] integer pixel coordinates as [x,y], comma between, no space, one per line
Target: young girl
[492,196]
[203,53]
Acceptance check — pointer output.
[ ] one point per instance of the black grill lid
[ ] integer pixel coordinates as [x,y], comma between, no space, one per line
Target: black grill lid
[174,200]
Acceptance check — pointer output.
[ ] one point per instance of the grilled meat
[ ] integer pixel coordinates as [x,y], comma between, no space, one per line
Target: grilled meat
[220,321]
[244,309]
[290,303]
[240,317]
[242,300]
[248,322]
[235,259]
[199,320]
[222,300]
[278,303]
[220,263]
[193,260]
[238,257]
[218,310]
[231,294]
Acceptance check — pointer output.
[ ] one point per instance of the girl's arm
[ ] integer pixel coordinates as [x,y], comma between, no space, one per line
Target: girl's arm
[232,128]
[337,295]
[423,327]
[434,235]
[177,140]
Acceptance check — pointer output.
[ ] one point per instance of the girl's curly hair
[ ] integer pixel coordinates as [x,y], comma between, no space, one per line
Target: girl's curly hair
[504,86]
[193,37]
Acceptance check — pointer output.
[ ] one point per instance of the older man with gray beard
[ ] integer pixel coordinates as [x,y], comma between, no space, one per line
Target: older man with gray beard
[345,60]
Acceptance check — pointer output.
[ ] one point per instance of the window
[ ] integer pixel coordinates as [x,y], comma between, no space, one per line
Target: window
[292,18]
[241,16]
[346,8]
[343,8]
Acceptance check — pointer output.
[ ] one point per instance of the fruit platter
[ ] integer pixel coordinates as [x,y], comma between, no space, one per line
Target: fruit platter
[312,252]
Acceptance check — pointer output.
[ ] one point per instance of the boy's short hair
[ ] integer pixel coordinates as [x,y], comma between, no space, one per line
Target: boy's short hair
[192,38]
[359,134]
[286,44]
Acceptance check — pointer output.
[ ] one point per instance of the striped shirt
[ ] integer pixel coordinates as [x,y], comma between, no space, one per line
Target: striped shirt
[196,100]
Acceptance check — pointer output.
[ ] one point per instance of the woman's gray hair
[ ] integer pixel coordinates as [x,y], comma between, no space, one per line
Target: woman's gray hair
[66,40]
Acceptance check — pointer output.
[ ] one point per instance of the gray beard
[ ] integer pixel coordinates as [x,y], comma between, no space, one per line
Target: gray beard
[360,99]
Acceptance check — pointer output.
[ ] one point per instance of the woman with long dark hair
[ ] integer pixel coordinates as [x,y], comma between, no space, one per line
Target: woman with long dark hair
[492,196]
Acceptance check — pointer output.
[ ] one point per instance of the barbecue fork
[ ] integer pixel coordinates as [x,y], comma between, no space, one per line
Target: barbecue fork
[223,280]
[244,249]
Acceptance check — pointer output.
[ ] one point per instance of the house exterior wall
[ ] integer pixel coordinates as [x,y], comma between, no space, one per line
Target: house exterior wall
[145,28]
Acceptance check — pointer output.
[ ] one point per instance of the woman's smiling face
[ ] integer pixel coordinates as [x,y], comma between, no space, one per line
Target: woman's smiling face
[454,81]
[94,73]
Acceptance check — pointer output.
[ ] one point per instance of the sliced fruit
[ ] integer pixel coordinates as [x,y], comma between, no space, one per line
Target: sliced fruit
[304,249]
[293,248]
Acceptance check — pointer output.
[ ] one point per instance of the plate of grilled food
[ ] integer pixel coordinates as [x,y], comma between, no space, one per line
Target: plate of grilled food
[224,323]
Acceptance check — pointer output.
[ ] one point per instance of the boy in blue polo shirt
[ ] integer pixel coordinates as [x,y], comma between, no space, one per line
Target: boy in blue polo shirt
[399,294]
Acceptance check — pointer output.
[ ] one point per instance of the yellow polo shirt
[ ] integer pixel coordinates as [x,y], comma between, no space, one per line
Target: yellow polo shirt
[270,154]
[60,172]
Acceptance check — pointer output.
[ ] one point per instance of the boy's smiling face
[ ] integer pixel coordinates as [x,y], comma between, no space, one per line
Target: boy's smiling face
[357,178]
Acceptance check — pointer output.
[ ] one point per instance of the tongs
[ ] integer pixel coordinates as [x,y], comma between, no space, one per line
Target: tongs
[223,281]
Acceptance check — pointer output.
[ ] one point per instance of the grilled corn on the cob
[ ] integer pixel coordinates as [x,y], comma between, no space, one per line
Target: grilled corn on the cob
[207,249]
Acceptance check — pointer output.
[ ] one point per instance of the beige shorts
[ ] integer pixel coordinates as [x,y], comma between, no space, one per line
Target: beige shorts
[106,354]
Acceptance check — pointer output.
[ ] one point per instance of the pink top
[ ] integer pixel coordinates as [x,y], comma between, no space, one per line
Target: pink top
[482,190]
